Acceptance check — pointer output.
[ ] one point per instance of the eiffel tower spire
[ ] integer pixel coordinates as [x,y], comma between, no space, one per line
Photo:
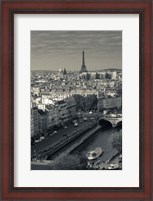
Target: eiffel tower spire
[83,60]
[83,67]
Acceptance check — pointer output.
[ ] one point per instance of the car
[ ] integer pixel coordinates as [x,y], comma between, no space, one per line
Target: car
[42,138]
[54,132]
[76,124]
[36,141]
[85,119]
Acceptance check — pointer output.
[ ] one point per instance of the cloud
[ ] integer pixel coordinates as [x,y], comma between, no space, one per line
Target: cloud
[49,45]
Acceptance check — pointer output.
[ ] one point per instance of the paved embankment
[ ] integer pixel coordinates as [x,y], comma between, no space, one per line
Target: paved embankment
[40,164]
[45,149]
[78,141]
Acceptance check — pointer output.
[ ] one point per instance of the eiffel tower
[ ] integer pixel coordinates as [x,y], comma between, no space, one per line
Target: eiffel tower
[83,67]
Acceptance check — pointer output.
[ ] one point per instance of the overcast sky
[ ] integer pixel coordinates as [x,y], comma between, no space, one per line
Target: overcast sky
[52,50]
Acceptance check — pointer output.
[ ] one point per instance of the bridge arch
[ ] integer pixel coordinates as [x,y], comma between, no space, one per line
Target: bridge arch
[104,122]
[119,124]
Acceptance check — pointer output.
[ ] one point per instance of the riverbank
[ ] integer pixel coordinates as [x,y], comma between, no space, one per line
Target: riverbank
[86,134]
[80,140]
[97,137]
[53,142]
[114,163]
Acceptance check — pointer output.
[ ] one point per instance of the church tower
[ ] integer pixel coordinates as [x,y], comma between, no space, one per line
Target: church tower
[83,67]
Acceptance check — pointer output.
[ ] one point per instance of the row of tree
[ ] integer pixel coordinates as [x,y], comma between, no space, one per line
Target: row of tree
[69,162]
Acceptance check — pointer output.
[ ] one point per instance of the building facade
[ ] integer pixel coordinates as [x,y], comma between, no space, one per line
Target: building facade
[34,121]
[42,120]
[109,103]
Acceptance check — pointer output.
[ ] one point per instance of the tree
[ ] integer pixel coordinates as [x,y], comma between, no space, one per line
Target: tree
[69,162]
[91,102]
[87,103]
[117,142]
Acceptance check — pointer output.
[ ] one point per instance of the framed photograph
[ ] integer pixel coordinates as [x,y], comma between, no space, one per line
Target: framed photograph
[76,100]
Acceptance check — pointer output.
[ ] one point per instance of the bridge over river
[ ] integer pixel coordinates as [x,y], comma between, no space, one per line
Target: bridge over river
[110,120]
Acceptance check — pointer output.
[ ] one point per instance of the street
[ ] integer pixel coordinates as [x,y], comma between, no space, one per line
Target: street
[57,137]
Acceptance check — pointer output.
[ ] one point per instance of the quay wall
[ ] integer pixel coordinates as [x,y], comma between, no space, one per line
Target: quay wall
[84,133]
[80,141]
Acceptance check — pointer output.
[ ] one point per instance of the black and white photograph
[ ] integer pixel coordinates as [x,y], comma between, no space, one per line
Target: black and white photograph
[76,100]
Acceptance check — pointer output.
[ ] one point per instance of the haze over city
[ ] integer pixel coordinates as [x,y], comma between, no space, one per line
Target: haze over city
[52,50]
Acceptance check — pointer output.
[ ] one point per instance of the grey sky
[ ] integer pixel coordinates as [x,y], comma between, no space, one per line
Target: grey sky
[52,50]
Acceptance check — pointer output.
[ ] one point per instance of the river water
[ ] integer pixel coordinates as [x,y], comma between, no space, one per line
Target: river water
[102,138]
[66,159]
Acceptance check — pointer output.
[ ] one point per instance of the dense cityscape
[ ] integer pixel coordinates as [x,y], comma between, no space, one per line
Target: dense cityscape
[69,108]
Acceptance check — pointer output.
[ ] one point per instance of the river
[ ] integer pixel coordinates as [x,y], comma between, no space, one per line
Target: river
[102,138]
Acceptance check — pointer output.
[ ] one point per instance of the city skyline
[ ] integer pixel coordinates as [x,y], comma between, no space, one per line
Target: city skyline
[52,50]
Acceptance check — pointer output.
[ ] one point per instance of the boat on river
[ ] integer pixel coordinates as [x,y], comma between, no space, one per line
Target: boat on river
[91,155]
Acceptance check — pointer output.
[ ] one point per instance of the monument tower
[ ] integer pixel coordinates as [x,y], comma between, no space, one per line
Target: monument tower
[83,67]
